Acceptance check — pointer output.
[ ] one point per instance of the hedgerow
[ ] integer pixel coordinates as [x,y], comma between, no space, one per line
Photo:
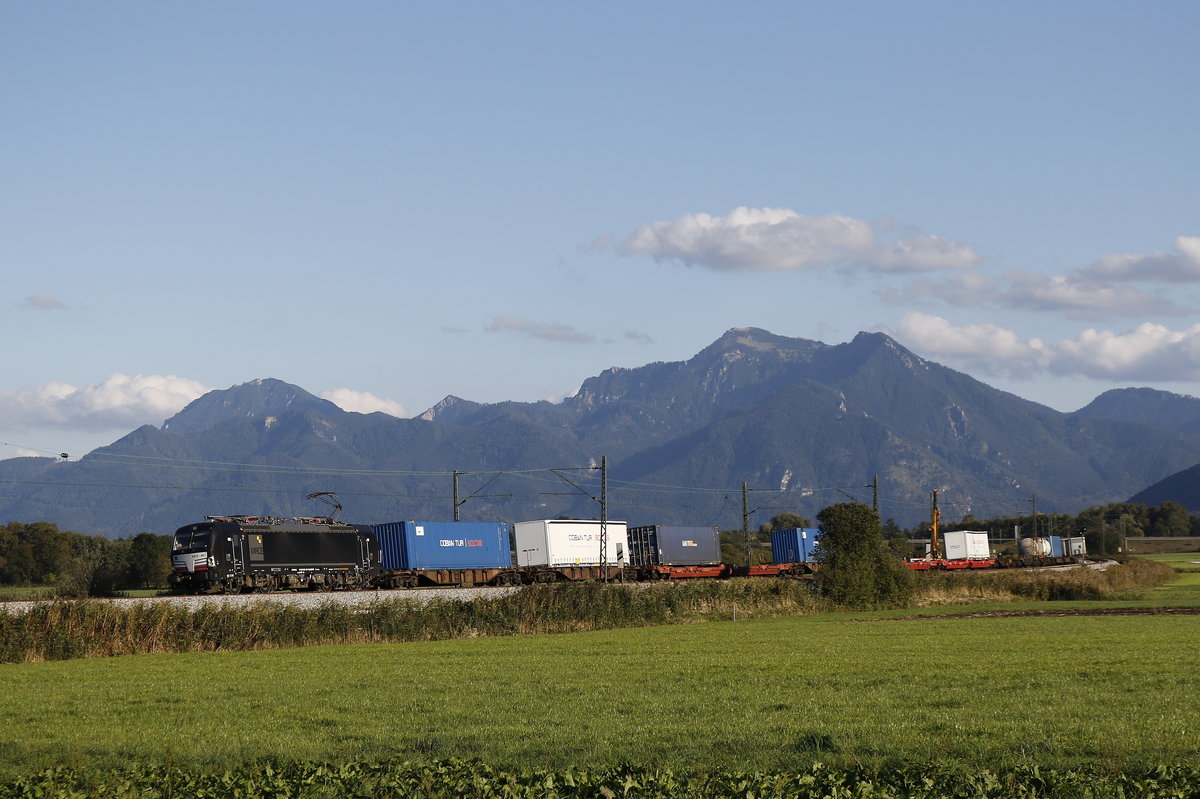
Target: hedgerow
[475,780]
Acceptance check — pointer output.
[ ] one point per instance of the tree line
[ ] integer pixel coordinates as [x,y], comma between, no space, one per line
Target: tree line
[78,565]
[1105,528]
[81,565]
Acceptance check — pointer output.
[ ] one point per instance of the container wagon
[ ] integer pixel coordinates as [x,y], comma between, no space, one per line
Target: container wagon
[967,549]
[1049,551]
[666,552]
[793,554]
[552,550]
[416,553]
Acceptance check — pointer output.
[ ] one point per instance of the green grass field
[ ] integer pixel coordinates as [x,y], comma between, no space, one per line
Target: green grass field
[958,695]
[1180,560]
[1185,588]
[1118,691]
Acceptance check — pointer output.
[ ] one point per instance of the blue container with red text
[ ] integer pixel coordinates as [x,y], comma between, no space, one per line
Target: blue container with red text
[443,545]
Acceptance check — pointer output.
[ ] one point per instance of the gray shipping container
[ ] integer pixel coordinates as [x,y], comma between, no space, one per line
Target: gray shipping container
[665,545]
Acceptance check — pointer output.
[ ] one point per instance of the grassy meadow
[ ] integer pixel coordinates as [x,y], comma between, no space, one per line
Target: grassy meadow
[766,694]
[949,687]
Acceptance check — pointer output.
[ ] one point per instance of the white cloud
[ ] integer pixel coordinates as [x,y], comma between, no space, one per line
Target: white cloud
[364,402]
[1148,352]
[1080,297]
[553,331]
[1180,266]
[120,402]
[1075,295]
[44,302]
[599,244]
[777,239]
[985,346]
[958,289]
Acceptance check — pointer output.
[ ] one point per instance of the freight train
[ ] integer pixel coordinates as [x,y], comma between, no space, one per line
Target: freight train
[258,554]
[970,549]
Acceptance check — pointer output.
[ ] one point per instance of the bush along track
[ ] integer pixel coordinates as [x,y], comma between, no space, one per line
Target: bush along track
[457,778]
[95,628]
[63,630]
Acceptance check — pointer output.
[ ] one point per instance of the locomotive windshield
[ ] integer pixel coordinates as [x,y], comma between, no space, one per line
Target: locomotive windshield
[192,539]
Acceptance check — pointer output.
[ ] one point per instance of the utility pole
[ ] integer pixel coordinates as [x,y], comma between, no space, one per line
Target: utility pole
[456,502]
[602,499]
[934,515]
[604,516]
[874,494]
[746,524]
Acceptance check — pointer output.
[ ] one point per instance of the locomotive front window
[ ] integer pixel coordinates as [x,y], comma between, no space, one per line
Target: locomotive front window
[193,539]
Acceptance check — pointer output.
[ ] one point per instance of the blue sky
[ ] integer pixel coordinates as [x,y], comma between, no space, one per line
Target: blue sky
[386,203]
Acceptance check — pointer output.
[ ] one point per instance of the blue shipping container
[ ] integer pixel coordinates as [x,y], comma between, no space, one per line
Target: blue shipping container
[798,545]
[1056,546]
[443,545]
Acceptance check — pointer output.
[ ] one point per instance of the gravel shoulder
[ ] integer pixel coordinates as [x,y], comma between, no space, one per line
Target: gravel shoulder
[300,599]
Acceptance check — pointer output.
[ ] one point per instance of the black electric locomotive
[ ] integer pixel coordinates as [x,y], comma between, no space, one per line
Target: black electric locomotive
[258,553]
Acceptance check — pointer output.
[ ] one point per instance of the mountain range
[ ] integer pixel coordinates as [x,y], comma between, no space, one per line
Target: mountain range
[800,424]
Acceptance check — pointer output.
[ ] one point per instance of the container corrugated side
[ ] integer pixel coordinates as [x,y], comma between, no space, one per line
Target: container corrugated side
[391,545]
[795,545]
[569,542]
[786,547]
[1056,547]
[444,545]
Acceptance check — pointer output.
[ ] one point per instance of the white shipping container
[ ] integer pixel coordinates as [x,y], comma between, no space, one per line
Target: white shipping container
[569,542]
[966,545]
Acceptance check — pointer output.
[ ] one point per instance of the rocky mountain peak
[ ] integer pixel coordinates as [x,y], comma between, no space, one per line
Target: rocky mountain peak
[742,342]
[264,398]
[450,410]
